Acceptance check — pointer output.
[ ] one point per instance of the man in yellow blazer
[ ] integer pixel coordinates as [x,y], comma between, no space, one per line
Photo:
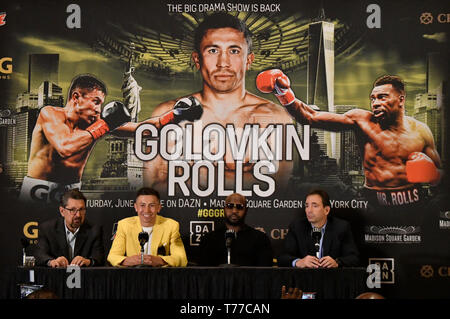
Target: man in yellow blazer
[164,247]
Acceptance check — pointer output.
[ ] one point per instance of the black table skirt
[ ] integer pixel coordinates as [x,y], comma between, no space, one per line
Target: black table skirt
[197,282]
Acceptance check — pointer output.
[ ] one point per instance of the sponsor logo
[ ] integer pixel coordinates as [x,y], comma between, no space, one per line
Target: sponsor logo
[428,271]
[74,19]
[5,119]
[444,220]
[6,68]
[393,235]
[374,278]
[2,18]
[443,18]
[278,233]
[31,232]
[374,19]
[198,229]
[386,272]
[428,18]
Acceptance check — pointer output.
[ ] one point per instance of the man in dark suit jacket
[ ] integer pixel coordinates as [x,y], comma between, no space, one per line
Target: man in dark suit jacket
[337,247]
[70,240]
[250,247]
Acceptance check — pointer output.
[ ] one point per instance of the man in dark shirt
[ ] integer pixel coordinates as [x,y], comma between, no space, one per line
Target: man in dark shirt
[249,247]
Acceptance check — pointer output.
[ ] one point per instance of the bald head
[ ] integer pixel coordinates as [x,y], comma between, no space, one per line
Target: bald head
[235,197]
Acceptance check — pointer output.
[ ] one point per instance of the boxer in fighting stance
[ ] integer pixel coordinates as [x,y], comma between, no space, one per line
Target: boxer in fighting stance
[398,151]
[64,136]
[223,54]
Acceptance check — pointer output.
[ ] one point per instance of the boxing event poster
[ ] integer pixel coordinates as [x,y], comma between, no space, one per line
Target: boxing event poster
[382,158]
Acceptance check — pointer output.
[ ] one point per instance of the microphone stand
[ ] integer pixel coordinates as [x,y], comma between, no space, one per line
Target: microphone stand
[228,241]
[143,238]
[24,257]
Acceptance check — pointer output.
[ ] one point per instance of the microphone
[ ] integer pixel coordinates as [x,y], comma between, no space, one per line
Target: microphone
[230,235]
[143,238]
[316,235]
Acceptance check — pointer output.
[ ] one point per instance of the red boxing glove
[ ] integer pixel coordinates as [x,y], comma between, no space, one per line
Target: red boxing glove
[276,81]
[113,115]
[421,169]
[98,129]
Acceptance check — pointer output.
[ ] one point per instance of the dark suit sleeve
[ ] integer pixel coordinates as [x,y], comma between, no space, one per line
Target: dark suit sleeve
[291,248]
[265,254]
[98,249]
[205,250]
[349,251]
[42,252]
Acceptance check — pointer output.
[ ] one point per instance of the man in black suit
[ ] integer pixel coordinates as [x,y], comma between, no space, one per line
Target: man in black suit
[70,240]
[337,247]
[250,247]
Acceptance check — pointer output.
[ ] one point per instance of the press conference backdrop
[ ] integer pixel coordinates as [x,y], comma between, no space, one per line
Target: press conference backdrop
[332,53]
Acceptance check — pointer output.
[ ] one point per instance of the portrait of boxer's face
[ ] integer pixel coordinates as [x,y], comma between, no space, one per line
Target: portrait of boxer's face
[386,102]
[88,105]
[147,207]
[235,210]
[223,59]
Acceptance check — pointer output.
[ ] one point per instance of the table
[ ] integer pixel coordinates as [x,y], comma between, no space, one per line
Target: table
[196,282]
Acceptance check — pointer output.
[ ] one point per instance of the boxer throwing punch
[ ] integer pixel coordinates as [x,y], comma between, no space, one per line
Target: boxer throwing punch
[64,136]
[398,151]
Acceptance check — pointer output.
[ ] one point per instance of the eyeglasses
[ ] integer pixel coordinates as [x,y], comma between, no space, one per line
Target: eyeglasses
[232,205]
[73,211]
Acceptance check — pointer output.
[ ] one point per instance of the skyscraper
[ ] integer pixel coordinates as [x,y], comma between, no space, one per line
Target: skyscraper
[50,94]
[320,77]
[347,147]
[42,67]
[437,70]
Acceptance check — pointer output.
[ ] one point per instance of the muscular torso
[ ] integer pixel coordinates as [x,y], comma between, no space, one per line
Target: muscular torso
[46,163]
[254,111]
[385,151]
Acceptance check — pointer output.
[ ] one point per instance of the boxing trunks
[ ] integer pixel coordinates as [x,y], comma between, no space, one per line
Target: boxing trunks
[43,191]
[411,196]
[397,207]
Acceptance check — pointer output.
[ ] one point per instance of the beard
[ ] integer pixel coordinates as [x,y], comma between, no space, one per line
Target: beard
[235,221]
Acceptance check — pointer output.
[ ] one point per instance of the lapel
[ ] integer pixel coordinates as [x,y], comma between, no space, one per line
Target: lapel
[136,229]
[326,243]
[310,249]
[158,231]
[61,239]
[81,238]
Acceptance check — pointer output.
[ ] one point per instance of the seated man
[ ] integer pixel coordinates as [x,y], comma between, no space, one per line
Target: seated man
[250,247]
[337,247]
[164,246]
[70,240]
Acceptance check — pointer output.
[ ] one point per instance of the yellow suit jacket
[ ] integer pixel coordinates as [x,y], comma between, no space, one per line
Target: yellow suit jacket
[165,234]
